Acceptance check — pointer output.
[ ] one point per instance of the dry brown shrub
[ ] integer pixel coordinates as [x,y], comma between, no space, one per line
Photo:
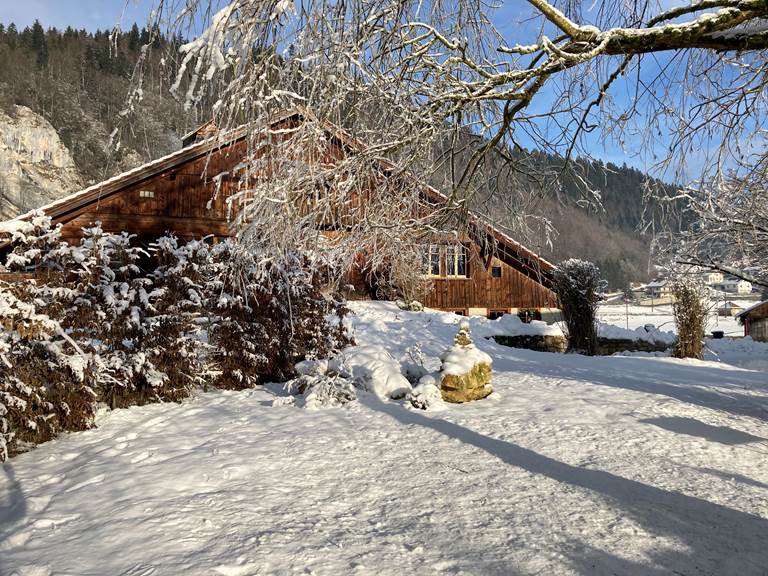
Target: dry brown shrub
[690,314]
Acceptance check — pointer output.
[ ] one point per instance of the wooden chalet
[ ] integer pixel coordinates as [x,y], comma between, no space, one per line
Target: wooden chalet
[755,321]
[485,272]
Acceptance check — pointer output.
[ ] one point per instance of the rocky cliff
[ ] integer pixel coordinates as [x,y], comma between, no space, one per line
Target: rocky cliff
[35,166]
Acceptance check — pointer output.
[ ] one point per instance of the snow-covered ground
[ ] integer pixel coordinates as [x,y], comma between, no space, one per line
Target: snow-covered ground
[661,317]
[613,465]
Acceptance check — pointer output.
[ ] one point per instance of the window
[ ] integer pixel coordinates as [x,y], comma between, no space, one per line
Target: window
[146,194]
[456,260]
[430,265]
[495,271]
[494,314]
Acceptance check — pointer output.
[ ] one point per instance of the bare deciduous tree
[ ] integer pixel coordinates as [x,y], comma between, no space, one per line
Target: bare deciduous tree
[721,227]
[441,91]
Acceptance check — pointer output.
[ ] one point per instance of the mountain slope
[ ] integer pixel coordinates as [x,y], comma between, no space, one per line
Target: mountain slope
[78,82]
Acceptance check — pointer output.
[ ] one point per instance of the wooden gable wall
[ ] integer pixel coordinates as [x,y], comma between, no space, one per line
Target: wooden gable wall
[480,290]
[182,202]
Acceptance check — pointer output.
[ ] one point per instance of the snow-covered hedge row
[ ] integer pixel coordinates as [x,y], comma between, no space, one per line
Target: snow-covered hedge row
[613,332]
[106,321]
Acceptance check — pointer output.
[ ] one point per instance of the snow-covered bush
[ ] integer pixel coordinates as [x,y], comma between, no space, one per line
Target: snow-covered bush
[413,367]
[43,375]
[107,311]
[90,325]
[37,246]
[172,339]
[376,371]
[577,285]
[690,315]
[323,384]
[243,335]
[265,319]
[426,394]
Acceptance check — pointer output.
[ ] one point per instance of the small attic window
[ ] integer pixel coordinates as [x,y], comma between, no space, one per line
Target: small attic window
[495,271]
[146,194]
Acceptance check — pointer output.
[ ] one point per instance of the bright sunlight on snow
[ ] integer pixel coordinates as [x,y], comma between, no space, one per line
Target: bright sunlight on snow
[575,465]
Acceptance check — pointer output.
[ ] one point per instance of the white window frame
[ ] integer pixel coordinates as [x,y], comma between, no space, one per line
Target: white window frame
[428,263]
[455,253]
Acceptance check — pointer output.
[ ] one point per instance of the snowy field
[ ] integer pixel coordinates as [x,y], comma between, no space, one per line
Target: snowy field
[661,317]
[615,465]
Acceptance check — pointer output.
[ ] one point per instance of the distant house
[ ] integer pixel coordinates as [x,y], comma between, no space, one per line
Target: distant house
[733,285]
[755,321]
[729,309]
[477,271]
[658,289]
[711,277]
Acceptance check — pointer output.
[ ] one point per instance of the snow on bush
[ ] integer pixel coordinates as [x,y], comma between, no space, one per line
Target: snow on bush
[266,319]
[377,371]
[577,283]
[426,394]
[323,384]
[93,326]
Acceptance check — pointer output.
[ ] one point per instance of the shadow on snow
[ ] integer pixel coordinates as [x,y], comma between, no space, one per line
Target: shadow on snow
[715,537]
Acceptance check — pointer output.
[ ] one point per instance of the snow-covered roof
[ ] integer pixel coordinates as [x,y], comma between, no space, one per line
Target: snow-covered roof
[149,169]
[62,207]
[752,308]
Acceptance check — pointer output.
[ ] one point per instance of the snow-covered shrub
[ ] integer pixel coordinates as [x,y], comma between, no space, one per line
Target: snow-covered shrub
[91,326]
[426,394]
[577,285]
[412,306]
[413,367]
[244,337]
[43,375]
[323,383]
[106,311]
[265,319]
[38,247]
[171,338]
[310,315]
[690,315]
[376,371]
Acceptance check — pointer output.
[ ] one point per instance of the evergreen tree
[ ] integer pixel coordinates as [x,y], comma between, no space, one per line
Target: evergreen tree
[39,44]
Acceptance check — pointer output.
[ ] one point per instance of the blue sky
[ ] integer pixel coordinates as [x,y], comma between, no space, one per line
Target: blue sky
[88,14]
[104,14]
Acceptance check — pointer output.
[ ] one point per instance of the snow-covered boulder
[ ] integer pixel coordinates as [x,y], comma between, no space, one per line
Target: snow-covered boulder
[377,371]
[466,370]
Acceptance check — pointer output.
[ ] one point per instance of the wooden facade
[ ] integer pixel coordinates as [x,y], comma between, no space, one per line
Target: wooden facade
[176,194]
[755,320]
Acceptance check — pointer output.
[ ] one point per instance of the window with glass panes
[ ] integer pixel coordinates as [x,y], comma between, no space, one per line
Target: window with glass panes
[456,260]
[431,260]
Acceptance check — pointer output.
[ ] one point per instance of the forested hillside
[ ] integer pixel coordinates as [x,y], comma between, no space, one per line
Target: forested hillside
[79,82]
[610,236]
